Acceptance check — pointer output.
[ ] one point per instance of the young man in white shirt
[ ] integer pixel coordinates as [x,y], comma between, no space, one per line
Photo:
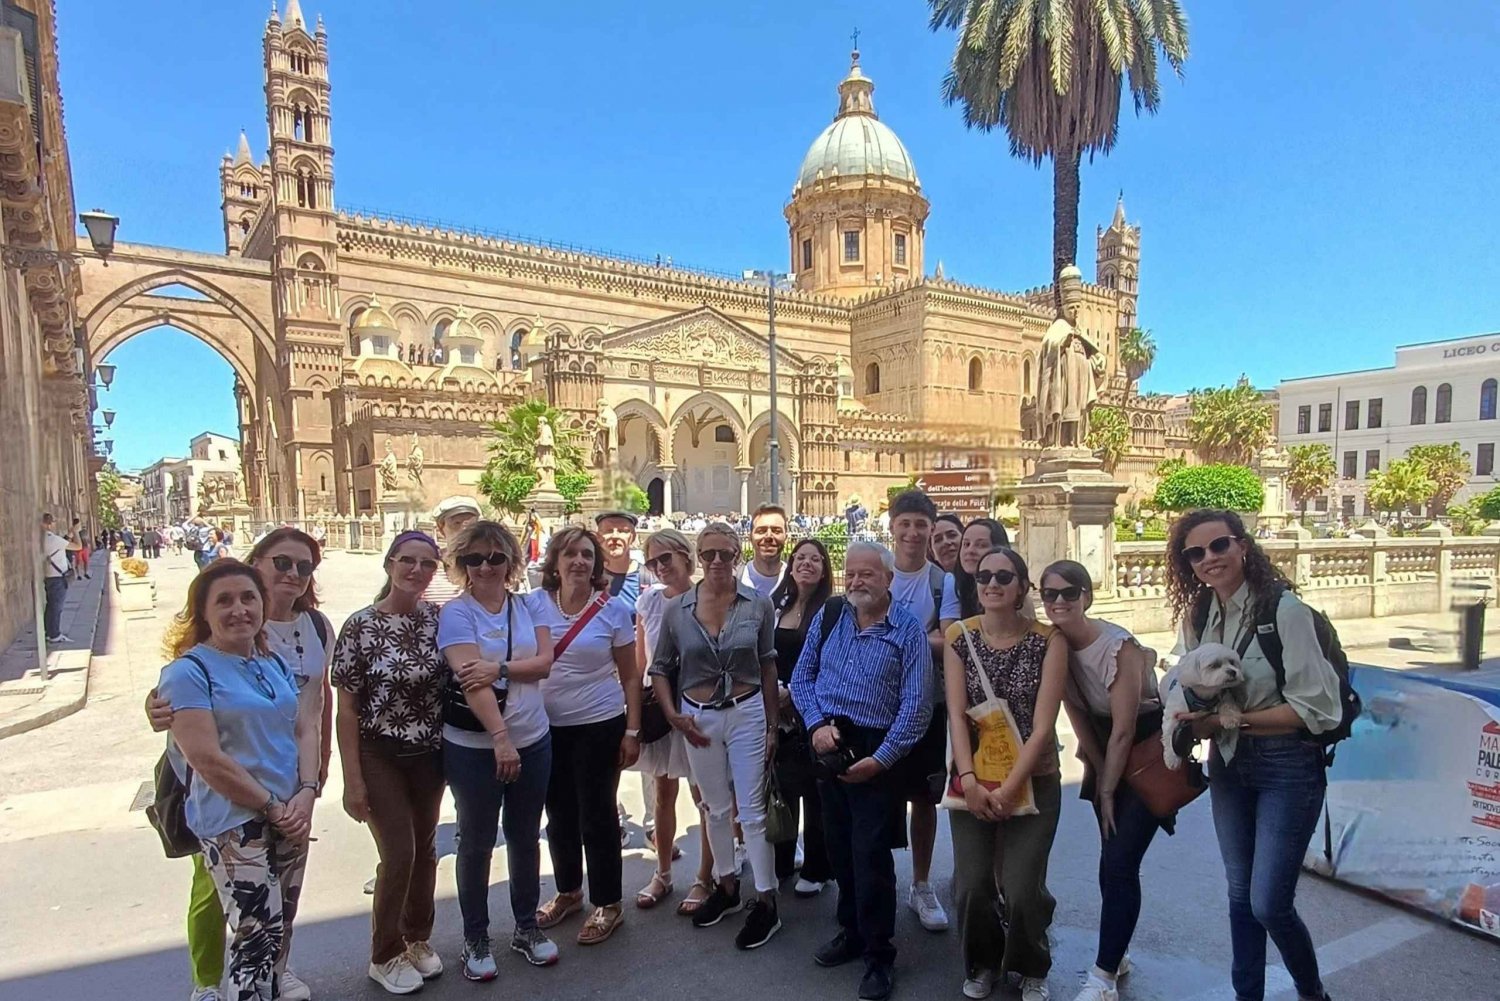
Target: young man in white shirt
[767,540]
[917,586]
[54,579]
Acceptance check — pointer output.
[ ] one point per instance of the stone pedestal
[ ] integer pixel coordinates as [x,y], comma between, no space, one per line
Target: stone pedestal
[548,504]
[1271,465]
[396,516]
[1067,512]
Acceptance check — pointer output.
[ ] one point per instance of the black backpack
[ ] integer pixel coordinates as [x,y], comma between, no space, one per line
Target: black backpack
[1270,644]
[167,813]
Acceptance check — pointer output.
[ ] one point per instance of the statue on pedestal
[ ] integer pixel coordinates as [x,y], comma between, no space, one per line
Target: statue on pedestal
[1067,371]
[546,457]
[414,461]
[609,434]
[388,477]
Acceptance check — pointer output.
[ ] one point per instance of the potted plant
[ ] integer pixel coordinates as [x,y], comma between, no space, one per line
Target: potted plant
[136,588]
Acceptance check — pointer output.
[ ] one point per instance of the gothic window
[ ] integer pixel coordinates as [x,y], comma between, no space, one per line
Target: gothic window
[515,348]
[851,246]
[364,456]
[439,329]
[1419,405]
[872,378]
[807,254]
[299,119]
[900,248]
[245,225]
[1026,377]
[1487,400]
[1443,409]
[976,375]
[724,434]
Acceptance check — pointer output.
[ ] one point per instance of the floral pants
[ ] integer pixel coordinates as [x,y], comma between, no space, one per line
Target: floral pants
[258,874]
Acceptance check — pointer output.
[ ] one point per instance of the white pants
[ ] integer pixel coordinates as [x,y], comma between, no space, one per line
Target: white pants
[734,761]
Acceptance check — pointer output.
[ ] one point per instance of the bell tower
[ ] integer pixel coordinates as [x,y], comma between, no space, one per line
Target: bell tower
[304,258]
[1119,263]
[244,190]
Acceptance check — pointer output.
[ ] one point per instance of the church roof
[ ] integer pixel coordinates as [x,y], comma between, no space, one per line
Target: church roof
[858,143]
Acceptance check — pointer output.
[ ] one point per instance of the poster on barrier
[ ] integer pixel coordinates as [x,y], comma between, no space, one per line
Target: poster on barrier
[1413,808]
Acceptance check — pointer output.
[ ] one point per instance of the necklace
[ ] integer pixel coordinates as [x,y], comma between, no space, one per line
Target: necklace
[998,641]
[567,615]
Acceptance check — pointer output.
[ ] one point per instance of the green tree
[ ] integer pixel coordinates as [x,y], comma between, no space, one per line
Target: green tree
[1400,487]
[1167,467]
[511,473]
[1137,353]
[1311,472]
[1109,435]
[1229,424]
[109,491]
[1447,466]
[1050,73]
[630,497]
[1488,506]
[898,488]
[1234,488]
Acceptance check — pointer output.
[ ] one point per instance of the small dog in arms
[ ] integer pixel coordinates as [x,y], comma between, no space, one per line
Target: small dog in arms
[1203,680]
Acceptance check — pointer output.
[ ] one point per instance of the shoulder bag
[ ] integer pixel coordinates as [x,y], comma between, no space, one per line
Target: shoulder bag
[997,748]
[456,709]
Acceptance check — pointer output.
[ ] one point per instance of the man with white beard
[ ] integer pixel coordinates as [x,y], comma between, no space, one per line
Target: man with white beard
[861,686]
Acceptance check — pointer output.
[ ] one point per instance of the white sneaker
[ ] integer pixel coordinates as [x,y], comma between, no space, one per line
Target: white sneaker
[1033,989]
[925,902]
[293,989]
[1095,989]
[1124,967]
[370,887]
[426,962]
[980,984]
[397,975]
[206,994]
[807,887]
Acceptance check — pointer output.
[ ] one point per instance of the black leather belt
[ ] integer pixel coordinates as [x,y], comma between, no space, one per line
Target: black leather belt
[721,704]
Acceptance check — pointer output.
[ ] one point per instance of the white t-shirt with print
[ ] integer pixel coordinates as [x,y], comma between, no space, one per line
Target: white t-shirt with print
[584,686]
[911,591]
[464,620]
[763,584]
[285,637]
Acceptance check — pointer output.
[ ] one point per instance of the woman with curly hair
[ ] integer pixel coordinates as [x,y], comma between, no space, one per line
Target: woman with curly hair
[593,700]
[1266,777]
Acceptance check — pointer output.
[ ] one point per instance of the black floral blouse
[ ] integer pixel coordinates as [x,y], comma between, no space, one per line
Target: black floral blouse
[1014,673]
[393,665]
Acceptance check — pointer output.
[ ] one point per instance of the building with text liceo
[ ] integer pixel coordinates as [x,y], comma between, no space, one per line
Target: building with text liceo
[1436,393]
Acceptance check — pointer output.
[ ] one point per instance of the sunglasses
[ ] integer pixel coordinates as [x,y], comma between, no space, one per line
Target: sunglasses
[472,560]
[410,562]
[1220,546]
[657,563]
[1071,593]
[285,563]
[717,555]
[1001,577]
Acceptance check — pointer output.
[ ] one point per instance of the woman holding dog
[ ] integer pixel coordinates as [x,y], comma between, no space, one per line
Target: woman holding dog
[1112,702]
[994,848]
[1266,776]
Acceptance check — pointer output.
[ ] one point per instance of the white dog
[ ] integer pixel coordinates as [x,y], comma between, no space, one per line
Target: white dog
[1203,679]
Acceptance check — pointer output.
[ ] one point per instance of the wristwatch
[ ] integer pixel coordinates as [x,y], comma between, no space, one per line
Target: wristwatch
[505,670]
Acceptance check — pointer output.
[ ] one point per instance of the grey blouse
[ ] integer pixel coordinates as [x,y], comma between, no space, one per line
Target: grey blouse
[747,639]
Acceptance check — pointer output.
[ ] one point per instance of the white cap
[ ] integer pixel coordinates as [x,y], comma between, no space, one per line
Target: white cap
[449,505]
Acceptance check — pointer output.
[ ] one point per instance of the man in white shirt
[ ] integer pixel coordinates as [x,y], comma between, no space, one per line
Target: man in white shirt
[767,540]
[917,587]
[54,579]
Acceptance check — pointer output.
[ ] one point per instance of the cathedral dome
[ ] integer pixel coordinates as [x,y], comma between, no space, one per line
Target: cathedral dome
[374,317]
[858,143]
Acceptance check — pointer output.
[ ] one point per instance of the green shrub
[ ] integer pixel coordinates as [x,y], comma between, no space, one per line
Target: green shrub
[1235,488]
[1488,506]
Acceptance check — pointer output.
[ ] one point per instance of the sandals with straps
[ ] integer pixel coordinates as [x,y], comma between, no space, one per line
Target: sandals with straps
[554,911]
[601,924]
[696,895]
[655,891]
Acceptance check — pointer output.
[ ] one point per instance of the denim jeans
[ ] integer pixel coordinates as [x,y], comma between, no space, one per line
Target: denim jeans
[1266,805]
[56,591]
[1120,858]
[484,804]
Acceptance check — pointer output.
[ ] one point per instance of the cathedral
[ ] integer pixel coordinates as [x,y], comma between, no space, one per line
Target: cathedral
[358,336]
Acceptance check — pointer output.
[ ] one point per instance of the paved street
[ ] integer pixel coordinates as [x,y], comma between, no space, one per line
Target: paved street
[92,910]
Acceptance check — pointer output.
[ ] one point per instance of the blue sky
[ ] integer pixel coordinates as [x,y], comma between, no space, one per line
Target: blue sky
[1317,189]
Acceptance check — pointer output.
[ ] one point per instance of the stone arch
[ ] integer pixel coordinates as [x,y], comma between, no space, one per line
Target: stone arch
[788,438]
[97,317]
[203,333]
[719,403]
[653,418]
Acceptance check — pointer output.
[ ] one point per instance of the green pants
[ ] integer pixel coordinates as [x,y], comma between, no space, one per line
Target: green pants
[205,928]
[1009,856]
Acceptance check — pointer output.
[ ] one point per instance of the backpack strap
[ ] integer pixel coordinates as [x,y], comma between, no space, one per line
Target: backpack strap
[207,678]
[320,626]
[935,577]
[1202,601]
[833,610]
[1270,638]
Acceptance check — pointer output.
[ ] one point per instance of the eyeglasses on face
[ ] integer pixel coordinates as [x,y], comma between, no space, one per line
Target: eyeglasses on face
[1001,577]
[658,563]
[472,560]
[1220,546]
[409,563]
[285,563]
[717,555]
[1070,593]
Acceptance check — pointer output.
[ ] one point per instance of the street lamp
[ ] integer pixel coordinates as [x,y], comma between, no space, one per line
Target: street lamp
[106,373]
[109,417]
[773,280]
[101,228]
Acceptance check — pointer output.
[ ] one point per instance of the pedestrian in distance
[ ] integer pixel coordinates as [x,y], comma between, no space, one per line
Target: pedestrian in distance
[54,579]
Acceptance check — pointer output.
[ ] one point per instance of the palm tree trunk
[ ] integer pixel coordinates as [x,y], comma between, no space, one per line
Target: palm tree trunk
[1064,210]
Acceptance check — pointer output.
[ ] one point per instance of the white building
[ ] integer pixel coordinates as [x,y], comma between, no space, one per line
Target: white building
[1436,393]
[170,485]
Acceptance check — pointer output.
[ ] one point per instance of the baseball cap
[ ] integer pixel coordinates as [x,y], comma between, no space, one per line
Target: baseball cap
[449,505]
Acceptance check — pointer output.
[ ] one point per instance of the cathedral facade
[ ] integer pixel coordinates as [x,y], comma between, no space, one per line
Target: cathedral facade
[355,336]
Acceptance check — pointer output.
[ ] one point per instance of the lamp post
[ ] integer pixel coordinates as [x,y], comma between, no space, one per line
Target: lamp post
[774,280]
[100,227]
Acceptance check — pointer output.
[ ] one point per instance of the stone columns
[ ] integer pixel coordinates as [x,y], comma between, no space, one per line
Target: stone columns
[667,469]
[744,472]
[1067,512]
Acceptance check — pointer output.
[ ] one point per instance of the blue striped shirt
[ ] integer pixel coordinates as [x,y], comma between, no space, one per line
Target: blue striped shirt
[876,676]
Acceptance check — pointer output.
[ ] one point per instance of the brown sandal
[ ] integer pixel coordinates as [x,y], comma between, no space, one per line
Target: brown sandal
[601,924]
[696,895]
[655,891]
[554,911]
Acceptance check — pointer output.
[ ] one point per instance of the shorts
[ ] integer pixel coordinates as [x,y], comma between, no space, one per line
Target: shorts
[913,778]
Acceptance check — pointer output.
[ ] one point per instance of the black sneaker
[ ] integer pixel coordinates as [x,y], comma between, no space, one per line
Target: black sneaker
[842,949]
[761,923]
[877,983]
[718,904]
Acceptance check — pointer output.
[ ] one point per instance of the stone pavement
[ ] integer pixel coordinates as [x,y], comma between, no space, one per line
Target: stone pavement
[92,910]
[28,702]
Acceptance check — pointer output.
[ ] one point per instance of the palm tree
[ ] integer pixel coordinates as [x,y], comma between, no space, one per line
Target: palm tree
[1050,72]
[512,472]
[1137,353]
[1310,472]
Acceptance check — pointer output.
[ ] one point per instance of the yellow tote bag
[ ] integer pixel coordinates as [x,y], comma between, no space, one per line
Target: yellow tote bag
[996,748]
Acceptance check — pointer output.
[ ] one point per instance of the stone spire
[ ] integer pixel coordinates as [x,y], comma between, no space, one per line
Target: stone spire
[1119,220]
[294,14]
[275,14]
[243,154]
[856,93]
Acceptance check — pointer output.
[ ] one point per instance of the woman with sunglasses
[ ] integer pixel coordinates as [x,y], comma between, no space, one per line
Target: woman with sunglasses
[390,678]
[718,649]
[593,700]
[980,537]
[497,751]
[1112,702]
[947,537]
[1026,664]
[669,558]
[254,761]
[800,595]
[1266,777]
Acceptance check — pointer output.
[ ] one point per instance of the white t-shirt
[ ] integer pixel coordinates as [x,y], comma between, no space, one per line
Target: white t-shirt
[950,608]
[649,609]
[752,577]
[911,591]
[285,637]
[464,620]
[584,686]
[54,555]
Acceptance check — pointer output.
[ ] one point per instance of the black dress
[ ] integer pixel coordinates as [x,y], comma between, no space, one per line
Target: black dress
[794,770]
